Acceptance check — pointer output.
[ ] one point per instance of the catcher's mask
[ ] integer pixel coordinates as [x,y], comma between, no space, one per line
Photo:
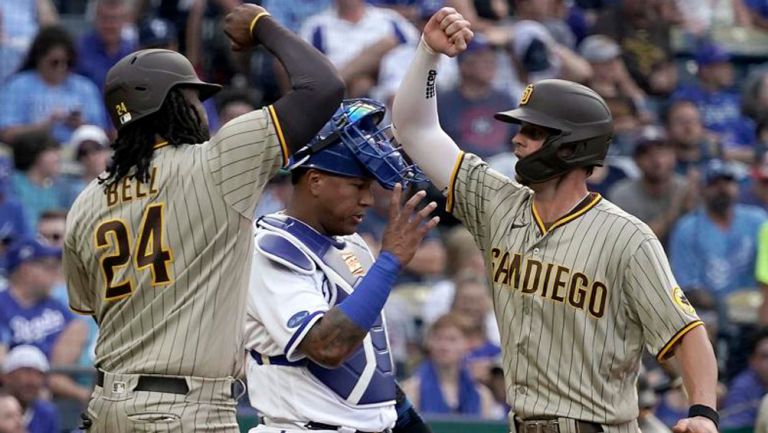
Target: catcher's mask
[352,144]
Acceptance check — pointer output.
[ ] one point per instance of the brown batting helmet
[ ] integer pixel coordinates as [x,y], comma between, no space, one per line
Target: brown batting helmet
[578,117]
[139,83]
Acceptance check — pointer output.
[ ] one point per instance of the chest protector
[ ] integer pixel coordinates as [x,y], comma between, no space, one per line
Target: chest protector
[367,376]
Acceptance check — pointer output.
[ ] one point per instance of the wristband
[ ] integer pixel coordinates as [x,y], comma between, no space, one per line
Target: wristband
[706,412]
[255,19]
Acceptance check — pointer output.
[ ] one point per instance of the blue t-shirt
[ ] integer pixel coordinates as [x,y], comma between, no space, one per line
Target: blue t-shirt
[37,199]
[39,325]
[721,113]
[471,124]
[26,99]
[45,418]
[744,395]
[93,60]
[705,256]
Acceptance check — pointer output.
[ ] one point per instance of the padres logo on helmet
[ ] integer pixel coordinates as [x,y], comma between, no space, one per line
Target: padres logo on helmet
[577,117]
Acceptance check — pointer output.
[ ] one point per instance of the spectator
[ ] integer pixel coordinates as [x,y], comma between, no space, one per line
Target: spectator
[647,400]
[293,13]
[660,196]
[355,36]
[24,375]
[694,145]
[100,48]
[91,152]
[761,425]
[29,314]
[161,34]
[158,33]
[720,107]
[626,125]
[755,191]
[13,223]
[714,247]
[442,384]
[20,21]
[610,78]
[463,259]
[467,111]
[645,41]
[754,94]
[11,416]
[50,228]
[36,182]
[235,102]
[472,301]
[46,95]
[700,18]
[747,389]
[429,260]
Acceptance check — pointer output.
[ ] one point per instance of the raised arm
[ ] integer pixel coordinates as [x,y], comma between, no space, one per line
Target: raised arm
[342,329]
[316,88]
[414,115]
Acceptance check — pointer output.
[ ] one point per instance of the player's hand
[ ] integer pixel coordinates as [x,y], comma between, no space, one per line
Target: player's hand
[237,26]
[406,227]
[697,424]
[448,32]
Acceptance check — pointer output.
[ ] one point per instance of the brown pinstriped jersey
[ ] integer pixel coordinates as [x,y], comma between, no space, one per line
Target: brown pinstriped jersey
[163,265]
[576,301]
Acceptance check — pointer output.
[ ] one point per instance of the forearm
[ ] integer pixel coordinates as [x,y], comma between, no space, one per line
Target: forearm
[63,386]
[367,62]
[415,121]
[699,368]
[574,68]
[341,330]
[316,88]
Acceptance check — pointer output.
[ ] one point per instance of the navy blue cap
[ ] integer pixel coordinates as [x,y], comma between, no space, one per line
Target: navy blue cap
[26,250]
[156,32]
[718,169]
[709,53]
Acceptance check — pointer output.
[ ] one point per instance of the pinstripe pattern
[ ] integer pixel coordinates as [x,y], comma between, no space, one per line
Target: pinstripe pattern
[191,326]
[576,303]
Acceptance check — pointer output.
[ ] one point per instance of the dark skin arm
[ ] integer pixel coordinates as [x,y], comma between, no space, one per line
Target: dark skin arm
[334,337]
[316,88]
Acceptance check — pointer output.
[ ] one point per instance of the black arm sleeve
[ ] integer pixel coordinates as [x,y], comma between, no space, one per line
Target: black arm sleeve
[316,88]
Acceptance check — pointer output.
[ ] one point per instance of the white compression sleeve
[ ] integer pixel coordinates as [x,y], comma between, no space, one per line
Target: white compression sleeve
[415,122]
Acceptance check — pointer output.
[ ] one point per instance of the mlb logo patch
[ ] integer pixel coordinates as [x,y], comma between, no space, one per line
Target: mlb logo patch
[118,387]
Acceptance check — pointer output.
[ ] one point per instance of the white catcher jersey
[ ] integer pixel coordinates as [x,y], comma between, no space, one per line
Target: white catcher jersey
[283,305]
[576,302]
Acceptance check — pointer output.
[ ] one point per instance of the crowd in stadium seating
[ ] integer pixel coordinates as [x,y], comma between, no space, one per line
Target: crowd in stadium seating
[686,81]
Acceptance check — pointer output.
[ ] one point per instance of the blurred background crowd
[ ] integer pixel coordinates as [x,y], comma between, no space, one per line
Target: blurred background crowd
[686,80]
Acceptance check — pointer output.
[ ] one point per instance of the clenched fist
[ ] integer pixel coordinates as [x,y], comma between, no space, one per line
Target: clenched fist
[448,32]
[237,26]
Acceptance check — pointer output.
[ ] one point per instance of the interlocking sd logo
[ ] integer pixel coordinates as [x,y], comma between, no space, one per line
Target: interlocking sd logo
[526,94]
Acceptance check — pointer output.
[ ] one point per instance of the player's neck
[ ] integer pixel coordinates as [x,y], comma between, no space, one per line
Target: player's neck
[305,215]
[557,197]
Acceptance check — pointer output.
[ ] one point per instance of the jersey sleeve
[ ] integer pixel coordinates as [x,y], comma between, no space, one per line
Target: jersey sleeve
[81,299]
[473,192]
[286,302]
[658,303]
[244,155]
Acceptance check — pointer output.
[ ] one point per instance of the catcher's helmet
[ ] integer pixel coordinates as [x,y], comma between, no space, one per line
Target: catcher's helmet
[138,84]
[352,144]
[579,118]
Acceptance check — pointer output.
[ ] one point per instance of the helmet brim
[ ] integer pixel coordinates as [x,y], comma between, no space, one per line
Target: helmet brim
[527,115]
[206,90]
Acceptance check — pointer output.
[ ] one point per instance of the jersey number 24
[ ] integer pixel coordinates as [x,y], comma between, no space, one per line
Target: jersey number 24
[150,251]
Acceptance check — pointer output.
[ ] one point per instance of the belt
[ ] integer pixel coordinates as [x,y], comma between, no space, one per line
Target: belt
[169,385]
[320,426]
[553,426]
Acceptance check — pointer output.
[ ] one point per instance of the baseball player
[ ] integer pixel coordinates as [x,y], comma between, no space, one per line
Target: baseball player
[319,357]
[158,249]
[580,287]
